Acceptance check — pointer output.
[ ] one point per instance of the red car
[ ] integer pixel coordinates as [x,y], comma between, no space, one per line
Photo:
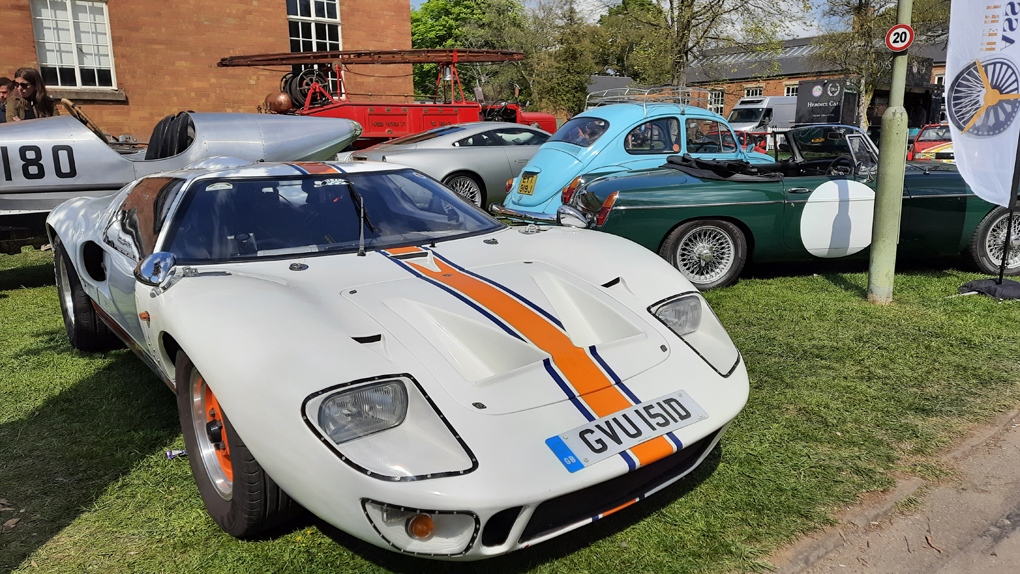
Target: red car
[931,140]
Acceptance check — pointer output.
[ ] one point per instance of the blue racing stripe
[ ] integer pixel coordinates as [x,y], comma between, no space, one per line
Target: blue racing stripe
[616,379]
[676,441]
[630,460]
[300,169]
[519,297]
[567,390]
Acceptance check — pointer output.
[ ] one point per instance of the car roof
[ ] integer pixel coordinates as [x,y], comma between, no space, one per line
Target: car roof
[283,169]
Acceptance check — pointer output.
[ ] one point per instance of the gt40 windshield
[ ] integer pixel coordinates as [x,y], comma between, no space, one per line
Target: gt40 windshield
[227,219]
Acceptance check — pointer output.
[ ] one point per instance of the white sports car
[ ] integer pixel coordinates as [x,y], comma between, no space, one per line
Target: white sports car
[358,340]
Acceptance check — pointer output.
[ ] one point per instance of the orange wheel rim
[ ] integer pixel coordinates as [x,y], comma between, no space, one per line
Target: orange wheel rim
[214,413]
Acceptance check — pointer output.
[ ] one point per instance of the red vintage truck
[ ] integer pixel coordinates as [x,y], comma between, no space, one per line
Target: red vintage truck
[311,92]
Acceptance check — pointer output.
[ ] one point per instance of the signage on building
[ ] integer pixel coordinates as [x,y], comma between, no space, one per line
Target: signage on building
[825,101]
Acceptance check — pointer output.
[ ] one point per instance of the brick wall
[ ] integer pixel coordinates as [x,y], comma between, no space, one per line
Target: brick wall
[165,54]
[771,87]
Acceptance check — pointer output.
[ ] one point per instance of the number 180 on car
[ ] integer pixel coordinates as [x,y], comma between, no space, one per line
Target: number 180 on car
[608,436]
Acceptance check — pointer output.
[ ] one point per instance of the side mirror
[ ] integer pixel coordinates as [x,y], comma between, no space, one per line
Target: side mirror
[155,269]
[784,147]
[569,216]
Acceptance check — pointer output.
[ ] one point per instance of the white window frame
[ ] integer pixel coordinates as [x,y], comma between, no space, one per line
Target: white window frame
[940,79]
[754,91]
[717,101]
[77,63]
[334,84]
[791,88]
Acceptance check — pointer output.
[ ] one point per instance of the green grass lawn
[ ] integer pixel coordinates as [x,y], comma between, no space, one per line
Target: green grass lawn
[845,396]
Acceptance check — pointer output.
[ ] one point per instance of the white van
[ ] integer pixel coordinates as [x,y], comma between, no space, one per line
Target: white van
[764,113]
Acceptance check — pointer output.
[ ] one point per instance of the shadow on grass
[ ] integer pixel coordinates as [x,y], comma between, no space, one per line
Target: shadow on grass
[835,270]
[56,461]
[28,276]
[529,558]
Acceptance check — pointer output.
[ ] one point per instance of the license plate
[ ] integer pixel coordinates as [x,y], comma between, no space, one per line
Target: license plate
[527,184]
[608,436]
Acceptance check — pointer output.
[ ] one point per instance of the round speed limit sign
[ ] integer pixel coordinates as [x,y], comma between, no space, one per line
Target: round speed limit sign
[899,37]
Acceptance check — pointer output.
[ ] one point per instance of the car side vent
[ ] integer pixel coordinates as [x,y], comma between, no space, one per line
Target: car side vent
[92,256]
[611,282]
[497,528]
[412,255]
[368,339]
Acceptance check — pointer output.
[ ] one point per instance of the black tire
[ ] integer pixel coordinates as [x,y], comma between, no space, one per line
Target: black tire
[710,253]
[985,247]
[239,496]
[85,329]
[467,186]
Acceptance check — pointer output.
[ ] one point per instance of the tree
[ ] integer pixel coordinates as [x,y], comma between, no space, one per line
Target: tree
[854,39]
[440,24]
[562,72]
[630,42]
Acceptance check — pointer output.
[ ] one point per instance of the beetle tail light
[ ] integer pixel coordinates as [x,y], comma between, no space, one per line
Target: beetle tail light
[509,184]
[607,205]
[567,194]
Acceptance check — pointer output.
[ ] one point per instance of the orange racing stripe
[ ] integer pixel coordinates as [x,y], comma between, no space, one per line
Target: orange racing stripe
[592,385]
[315,167]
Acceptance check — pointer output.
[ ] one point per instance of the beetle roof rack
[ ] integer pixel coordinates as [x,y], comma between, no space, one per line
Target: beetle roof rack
[660,95]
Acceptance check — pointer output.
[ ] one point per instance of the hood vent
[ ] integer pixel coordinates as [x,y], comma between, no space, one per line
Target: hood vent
[587,320]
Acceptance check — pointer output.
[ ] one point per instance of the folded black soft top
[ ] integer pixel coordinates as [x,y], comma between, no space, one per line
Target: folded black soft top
[725,169]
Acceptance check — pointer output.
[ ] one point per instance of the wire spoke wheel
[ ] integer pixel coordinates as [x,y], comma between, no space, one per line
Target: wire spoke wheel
[211,436]
[705,254]
[466,187]
[996,237]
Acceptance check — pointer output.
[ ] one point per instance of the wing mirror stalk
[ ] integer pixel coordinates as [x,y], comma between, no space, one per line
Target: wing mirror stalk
[156,269]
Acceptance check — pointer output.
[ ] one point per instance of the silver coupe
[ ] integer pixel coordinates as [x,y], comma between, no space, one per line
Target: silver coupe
[473,159]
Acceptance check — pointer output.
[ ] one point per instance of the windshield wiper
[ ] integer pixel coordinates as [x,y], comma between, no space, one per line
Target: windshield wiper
[362,217]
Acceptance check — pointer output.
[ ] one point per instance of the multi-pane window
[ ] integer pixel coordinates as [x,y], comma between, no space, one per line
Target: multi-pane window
[72,39]
[716,101]
[753,91]
[791,90]
[315,27]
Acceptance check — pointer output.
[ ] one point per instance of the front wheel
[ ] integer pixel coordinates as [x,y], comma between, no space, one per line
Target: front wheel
[86,331]
[986,246]
[710,253]
[241,498]
[467,187]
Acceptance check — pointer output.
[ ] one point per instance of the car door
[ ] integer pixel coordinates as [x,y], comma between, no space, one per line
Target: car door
[482,154]
[935,210]
[130,236]
[519,144]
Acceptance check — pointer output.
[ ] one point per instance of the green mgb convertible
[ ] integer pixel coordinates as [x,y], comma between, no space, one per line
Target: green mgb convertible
[708,218]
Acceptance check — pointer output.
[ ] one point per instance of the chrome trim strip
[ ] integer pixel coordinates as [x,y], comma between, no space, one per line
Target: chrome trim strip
[940,196]
[498,209]
[623,207]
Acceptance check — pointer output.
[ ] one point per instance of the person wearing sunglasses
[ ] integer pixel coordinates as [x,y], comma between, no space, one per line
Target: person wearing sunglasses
[6,89]
[30,98]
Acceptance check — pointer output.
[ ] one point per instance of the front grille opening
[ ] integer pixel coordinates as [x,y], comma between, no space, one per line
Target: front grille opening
[576,506]
[497,529]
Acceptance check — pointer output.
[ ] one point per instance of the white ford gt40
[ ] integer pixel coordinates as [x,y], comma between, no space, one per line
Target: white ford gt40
[358,340]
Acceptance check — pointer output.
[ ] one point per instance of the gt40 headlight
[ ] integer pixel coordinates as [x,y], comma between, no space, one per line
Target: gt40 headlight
[362,411]
[692,319]
[388,428]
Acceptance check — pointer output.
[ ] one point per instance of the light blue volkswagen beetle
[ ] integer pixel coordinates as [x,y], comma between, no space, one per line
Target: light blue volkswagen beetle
[638,134]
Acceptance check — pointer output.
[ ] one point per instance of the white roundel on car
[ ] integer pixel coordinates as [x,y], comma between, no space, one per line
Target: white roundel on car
[837,219]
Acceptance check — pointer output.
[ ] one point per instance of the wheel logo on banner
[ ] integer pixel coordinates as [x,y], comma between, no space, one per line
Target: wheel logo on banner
[899,37]
[984,98]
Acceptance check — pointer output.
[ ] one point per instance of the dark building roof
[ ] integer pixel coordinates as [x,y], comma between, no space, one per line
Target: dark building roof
[793,59]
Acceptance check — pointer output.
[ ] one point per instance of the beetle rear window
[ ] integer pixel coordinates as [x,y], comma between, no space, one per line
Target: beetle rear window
[581,131]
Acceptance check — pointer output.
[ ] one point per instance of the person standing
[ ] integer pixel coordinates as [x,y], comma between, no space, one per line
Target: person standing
[31,100]
[6,88]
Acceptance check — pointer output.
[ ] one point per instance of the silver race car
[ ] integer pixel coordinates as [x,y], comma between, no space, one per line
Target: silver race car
[47,161]
[474,159]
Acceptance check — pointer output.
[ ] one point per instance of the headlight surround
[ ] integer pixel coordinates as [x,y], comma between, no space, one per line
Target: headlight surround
[349,414]
[692,319]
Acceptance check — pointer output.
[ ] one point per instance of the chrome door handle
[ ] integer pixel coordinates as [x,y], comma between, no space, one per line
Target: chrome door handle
[799,190]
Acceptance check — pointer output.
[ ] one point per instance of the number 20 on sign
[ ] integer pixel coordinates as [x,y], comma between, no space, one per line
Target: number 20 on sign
[899,37]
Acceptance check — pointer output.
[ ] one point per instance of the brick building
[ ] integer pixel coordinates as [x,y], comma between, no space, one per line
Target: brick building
[131,62]
[733,74]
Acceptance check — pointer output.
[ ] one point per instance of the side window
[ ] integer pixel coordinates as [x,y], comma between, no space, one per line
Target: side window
[659,136]
[518,136]
[136,223]
[478,140]
[709,136]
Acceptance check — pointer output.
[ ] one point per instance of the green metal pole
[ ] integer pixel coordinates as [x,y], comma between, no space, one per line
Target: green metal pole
[892,164]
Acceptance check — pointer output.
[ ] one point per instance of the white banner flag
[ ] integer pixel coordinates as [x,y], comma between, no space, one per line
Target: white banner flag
[983,95]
